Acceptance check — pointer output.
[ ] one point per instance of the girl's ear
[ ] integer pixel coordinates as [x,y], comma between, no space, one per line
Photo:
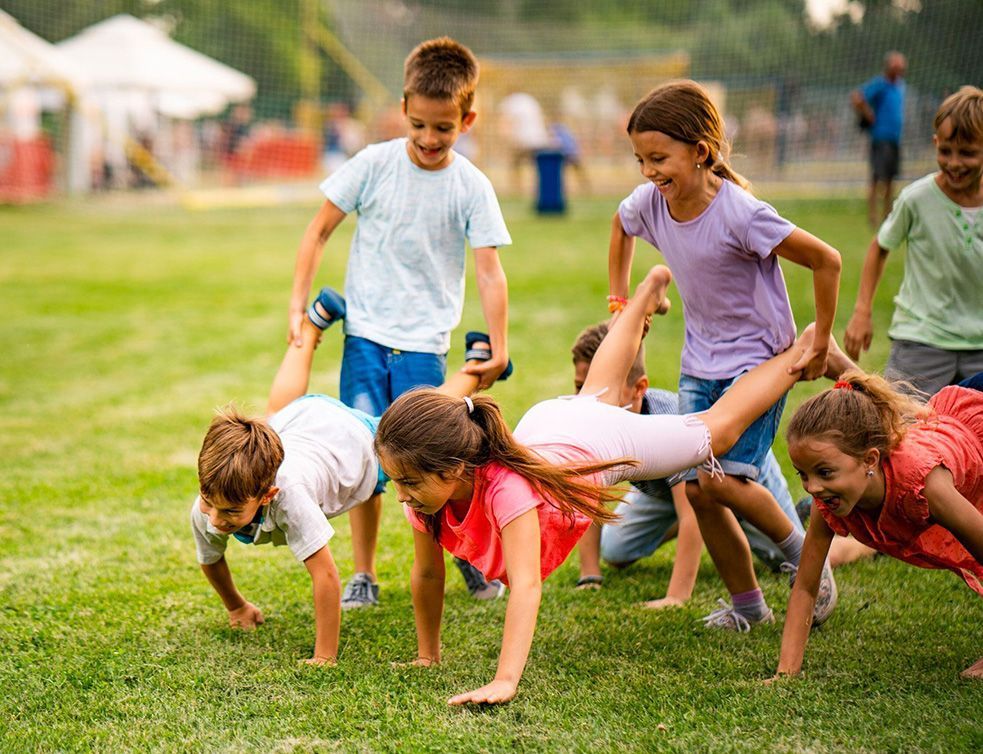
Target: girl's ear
[454,473]
[872,458]
[702,151]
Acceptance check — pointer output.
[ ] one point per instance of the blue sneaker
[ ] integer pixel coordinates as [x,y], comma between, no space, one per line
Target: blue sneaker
[326,309]
[482,354]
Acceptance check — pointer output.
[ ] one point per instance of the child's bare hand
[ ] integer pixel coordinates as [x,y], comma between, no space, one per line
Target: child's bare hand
[419,662]
[488,371]
[318,660]
[859,333]
[778,678]
[246,617]
[811,364]
[296,327]
[662,604]
[495,692]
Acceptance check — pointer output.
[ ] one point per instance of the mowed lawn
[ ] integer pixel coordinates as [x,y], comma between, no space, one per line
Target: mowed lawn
[123,328]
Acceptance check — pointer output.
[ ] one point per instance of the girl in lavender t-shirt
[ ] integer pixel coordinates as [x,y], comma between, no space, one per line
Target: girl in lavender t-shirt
[722,246]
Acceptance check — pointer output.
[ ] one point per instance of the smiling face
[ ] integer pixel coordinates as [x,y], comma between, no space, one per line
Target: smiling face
[837,480]
[960,163]
[670,164]
[425,492]
[228,517]
[432,128]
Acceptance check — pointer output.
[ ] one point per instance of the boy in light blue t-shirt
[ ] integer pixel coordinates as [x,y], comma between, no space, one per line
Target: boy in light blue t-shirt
[418,202]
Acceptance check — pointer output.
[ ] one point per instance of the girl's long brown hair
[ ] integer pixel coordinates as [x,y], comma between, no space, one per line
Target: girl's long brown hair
[684,111]
[435,433]
[863,411]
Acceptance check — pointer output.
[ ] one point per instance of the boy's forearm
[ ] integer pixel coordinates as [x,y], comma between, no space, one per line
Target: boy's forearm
[309,254]
[220,577]
[520,626]
[326,588]
[870,277]
[493,291]
[689,545]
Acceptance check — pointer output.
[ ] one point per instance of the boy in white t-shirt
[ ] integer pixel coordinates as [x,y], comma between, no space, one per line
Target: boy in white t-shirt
[418,203]
[279,480]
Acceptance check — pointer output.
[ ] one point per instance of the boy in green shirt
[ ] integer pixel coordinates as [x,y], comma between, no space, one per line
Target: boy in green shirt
[937,329]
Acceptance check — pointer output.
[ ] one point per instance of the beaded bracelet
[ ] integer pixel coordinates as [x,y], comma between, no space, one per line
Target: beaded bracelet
[616,303]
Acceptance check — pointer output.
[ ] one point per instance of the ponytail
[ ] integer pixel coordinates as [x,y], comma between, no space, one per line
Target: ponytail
[434,433]
[862,411]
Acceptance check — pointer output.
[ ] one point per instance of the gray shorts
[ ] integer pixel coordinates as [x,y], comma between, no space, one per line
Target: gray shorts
[885,160]
[929,369]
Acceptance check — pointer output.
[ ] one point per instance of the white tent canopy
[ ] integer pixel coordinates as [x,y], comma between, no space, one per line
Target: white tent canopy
[123,53]
[28,60]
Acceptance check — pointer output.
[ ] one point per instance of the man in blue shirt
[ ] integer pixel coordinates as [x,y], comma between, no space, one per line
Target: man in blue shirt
[880,106]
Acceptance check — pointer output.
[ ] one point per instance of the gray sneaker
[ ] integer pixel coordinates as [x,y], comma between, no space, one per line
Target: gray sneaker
[480,588]
[360,591]
[728,618]
[826,597]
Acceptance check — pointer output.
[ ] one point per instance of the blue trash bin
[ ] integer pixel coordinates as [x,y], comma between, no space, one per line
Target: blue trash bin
[549,167]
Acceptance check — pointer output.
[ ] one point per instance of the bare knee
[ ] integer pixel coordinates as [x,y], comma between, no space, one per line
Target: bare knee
[720,489]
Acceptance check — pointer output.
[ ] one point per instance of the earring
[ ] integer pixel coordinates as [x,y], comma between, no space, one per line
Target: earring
[870,473]
[698,166]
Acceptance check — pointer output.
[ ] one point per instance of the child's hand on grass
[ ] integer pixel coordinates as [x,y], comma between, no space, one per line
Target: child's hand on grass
[318,660]
[662,604]
[778,678]
[419,662]
[495,692]
[246,617]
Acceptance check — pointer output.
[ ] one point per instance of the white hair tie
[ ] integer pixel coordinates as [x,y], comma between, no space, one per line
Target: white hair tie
[470,404]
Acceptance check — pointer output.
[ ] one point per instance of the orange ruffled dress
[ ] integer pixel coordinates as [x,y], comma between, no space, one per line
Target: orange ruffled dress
[902,528]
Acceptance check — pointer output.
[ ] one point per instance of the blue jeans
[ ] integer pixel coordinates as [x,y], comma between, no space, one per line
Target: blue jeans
[373,376]
[645,520]
[746,459]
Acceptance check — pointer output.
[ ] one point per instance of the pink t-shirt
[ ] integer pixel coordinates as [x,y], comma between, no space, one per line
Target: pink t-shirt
[902,527]
[500,496]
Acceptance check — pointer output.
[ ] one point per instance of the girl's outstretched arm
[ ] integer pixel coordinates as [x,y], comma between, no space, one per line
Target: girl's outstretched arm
[805,249]
[521,547]
[798,617]
[621,251]
[427,586]
[953,511]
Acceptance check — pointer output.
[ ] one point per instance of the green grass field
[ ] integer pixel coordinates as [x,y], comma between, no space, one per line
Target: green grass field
[122,330]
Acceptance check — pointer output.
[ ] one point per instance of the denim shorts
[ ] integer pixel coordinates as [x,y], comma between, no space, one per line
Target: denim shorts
[373,376]
[747,457]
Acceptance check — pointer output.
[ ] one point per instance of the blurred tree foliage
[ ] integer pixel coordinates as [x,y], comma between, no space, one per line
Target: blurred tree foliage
[727,39]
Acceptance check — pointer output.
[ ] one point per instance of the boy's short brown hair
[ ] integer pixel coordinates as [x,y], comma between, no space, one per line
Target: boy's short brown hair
[964,111]
[588,341]
[239,458]
[442,69]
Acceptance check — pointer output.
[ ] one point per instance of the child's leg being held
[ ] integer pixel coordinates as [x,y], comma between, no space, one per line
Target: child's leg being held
[617,351]
[294,374]
[752,395]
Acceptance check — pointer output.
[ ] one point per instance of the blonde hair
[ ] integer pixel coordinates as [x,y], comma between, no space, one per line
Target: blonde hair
[964,111]
[863,411]
[239,458]
[434,433]
[589,340]
[684,111]
[442,69]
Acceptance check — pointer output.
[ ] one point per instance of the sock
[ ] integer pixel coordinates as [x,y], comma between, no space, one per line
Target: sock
[751,604]
[791,546]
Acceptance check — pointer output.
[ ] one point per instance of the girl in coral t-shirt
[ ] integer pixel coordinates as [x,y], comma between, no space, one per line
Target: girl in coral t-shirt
[515,505]
[903,478]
